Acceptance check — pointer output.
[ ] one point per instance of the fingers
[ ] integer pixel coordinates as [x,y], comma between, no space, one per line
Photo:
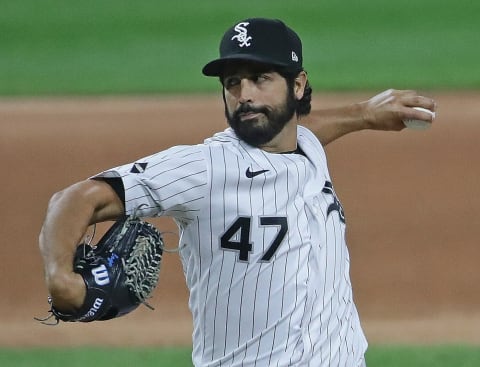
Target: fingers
[411,98]
[414,103]
[406,103]
[388,109]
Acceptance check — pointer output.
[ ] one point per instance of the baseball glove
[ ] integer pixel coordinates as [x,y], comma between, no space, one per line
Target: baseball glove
[120,272]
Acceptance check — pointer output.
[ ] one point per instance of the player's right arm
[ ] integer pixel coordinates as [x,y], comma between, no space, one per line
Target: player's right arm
[70,212]
[385,111]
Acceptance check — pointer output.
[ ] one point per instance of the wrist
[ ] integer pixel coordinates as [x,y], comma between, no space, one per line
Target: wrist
[67,290]
[364,115]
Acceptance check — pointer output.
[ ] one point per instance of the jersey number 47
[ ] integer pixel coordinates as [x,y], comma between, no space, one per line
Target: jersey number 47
[237,237]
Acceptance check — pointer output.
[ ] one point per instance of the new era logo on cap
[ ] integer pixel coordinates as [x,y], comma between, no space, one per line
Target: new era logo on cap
[262,40]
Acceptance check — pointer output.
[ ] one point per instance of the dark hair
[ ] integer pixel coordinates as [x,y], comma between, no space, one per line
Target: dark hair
[304,104]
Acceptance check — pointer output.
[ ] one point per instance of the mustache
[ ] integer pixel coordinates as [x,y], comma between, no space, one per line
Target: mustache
[248,108]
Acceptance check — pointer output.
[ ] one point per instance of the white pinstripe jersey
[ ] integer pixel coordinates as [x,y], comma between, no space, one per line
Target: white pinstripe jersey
[263,250]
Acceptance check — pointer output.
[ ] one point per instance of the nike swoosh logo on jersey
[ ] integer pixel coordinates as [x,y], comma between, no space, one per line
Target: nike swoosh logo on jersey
[252,174]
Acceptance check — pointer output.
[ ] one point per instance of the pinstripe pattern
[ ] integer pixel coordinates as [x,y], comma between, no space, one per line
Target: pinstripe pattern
[293,309]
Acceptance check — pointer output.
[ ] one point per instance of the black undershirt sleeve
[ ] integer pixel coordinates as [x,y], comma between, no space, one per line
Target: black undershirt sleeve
[116,184]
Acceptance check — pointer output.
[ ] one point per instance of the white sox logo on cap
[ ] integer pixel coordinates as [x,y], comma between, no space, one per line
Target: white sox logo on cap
[242,37]
[261,40]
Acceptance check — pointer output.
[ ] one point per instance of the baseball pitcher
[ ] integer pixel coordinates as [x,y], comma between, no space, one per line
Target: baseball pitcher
[262,230]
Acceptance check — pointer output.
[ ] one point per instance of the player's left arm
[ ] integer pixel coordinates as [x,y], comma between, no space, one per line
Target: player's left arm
[385,111]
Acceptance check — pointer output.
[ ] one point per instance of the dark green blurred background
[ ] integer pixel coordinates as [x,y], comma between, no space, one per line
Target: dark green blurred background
[57,47]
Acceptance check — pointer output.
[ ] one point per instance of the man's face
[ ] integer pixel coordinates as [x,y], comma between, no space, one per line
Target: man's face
[258,102]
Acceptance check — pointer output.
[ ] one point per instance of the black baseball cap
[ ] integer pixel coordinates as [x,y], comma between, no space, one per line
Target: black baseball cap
[267,41]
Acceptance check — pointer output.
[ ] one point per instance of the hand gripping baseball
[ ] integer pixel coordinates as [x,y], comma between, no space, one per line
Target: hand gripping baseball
[120,272]
[397,109]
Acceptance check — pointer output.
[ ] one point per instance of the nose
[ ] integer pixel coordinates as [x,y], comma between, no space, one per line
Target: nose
[247,91]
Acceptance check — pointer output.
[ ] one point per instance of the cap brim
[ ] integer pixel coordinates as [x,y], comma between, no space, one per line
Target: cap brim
[216,67]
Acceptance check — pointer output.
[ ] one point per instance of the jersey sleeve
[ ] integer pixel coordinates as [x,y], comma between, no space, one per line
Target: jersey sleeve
[309,142]
[169,183]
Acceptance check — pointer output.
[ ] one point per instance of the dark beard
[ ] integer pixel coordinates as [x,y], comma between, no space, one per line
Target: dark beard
[256,133]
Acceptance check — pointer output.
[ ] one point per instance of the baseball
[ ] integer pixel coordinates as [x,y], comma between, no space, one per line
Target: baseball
[419,124]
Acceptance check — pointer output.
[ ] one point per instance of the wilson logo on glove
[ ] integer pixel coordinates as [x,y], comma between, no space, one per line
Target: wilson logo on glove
[97,304]
[100,275]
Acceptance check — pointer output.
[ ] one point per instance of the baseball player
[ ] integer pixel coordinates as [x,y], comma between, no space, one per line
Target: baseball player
[262,231]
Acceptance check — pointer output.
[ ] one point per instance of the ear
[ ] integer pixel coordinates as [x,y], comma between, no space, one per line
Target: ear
[299,86]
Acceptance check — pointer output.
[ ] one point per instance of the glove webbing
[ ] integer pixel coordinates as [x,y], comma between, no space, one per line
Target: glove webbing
[142,268]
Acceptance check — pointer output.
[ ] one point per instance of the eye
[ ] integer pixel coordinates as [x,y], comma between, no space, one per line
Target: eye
[261,77]
[230,81]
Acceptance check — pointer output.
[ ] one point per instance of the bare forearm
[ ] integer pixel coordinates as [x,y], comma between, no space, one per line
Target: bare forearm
[66,221]
[331,124]
[60,234]
[69,214]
